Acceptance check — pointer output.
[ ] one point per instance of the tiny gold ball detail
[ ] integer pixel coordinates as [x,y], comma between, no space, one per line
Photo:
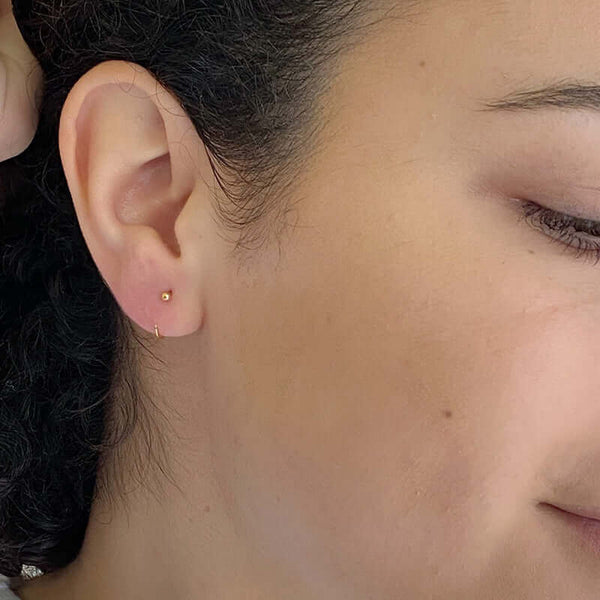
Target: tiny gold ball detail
[166,296]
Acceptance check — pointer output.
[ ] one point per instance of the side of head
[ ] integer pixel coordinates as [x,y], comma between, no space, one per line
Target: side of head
[380,360]
[243,77]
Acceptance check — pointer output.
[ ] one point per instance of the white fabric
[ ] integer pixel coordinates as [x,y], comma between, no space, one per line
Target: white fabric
[5,592]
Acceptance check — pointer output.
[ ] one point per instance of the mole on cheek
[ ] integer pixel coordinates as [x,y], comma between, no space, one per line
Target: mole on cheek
[422,63]
[448,414]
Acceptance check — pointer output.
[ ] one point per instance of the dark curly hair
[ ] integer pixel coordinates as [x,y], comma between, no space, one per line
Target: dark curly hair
[249,74]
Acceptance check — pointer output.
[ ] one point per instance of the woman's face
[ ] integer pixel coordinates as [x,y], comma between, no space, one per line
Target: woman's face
[386,403]
[399,390]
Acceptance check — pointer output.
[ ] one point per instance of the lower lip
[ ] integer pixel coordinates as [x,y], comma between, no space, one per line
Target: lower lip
[588,530]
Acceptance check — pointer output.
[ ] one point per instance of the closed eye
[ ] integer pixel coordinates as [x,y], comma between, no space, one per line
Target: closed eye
[581,236]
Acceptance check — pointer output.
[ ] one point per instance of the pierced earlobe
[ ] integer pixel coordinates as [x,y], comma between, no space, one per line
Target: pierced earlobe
[165,297]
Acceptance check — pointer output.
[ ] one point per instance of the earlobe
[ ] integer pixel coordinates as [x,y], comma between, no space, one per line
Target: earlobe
[125,146]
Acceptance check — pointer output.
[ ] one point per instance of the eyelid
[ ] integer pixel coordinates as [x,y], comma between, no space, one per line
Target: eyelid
[574,234]
[580,224]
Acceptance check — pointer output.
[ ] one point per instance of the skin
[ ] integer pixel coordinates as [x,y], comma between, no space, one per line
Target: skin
[20,87]
[380,410]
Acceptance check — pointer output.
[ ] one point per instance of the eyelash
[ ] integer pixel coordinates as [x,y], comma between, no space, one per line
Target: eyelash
[565,227]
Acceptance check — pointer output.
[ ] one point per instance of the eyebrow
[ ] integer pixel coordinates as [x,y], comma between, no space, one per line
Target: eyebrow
[573,95]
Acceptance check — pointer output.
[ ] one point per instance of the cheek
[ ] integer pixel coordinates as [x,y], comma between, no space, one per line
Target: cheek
[391,378]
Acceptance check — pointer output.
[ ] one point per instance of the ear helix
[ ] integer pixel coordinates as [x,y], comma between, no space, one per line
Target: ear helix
[165,297]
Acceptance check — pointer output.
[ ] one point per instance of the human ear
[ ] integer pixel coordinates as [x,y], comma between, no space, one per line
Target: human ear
[133,162]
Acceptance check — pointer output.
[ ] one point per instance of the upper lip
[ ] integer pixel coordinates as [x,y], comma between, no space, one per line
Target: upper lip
[587,512]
